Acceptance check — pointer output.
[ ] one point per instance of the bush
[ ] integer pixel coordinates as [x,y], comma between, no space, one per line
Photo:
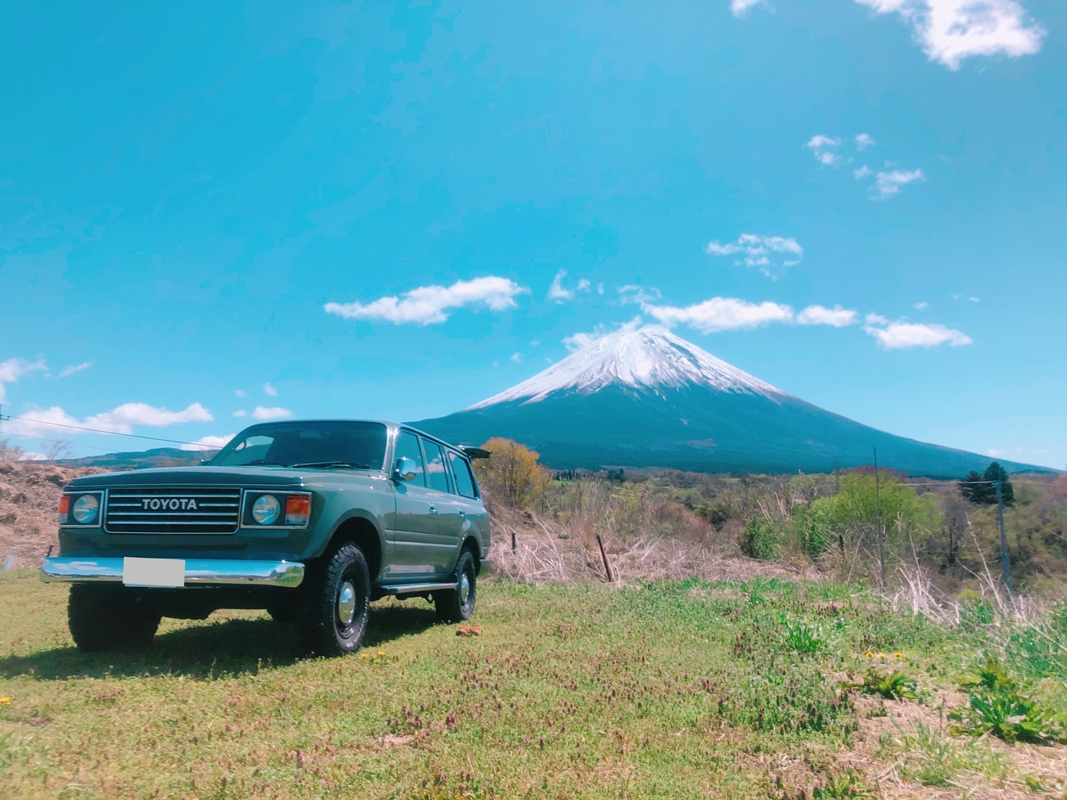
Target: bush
[761,539]
[512,472]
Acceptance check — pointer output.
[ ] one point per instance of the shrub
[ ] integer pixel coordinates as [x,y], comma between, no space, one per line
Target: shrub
[761,539]
[512,473]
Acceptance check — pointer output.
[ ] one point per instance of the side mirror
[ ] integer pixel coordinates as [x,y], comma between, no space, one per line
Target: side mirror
[405,469]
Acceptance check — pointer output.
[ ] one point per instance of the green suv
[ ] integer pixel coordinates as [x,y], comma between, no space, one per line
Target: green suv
[309,520]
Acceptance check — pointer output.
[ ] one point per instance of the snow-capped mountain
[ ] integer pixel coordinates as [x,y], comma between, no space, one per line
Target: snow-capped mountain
[643,397]
[640,358]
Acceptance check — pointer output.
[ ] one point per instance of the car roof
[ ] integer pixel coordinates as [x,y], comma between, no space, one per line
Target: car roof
[389,424]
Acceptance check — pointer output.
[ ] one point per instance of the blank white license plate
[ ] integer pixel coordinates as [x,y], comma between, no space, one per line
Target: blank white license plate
[155,572]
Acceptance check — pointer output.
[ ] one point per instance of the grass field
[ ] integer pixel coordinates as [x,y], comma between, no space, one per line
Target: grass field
[668,690]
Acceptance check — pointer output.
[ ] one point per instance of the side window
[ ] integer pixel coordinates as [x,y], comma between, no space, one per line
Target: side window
[462,470]
[436,471]
[407,446]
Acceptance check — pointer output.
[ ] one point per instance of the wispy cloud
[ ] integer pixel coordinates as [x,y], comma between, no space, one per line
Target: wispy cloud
[209,442]
[921,306]
[66,372]
[888,184]
[44,421]
[949,31]
[862,172]
[903,335]
[558,292]
[516,357]
[772,254]
[240,413]
[429,305]
[741,7]
[836,317]
[13,369]
[721,314]
[240,393]
[820,146]
[864,140]
[271,413]
[269,389]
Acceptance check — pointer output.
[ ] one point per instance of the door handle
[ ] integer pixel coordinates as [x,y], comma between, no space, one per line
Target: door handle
[433,508]
[462,513]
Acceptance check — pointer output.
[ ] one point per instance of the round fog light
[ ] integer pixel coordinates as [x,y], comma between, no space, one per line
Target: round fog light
[85,509]
[266,509]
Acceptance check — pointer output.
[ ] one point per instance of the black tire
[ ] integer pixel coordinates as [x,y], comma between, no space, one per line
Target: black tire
[322,630]
[457,605]
[104,618]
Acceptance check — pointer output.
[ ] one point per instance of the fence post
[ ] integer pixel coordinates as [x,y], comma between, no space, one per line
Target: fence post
[603,555]
[1005,561]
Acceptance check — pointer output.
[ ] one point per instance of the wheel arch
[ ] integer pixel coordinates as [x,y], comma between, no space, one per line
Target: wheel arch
[362,530]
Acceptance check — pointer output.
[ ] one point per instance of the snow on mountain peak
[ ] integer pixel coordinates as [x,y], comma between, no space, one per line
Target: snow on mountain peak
[638,358]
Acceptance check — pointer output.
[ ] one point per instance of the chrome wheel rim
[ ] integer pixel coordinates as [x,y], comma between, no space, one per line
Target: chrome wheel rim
[464,589]
[346,604]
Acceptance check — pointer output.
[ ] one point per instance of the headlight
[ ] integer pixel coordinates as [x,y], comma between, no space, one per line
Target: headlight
[266,509]
[85,509]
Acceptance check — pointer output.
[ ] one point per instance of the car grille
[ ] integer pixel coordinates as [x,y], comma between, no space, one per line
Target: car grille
[172,510]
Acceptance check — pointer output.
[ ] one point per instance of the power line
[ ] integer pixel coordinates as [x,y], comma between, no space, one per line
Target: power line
[72,444]
[96,430]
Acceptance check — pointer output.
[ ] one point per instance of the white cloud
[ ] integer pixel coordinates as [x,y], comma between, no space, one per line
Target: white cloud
[13,369]
[996,453]
[428,305]
[820,147]
[820,315]
[270,389]
[580,340]
[721,314]
[68,371]
[30,455]
[901,335]
[600,288]
[974,299]
[951,30]
[556,291]
[875,319]
[209,442]
[740,7]
[45,421]
[516,357]
[921,305]
[772,254]
[864,140]
[583,285]
[862,172]
[240,413]
[123,418]
[240,393]
[271,413]
[888,184]
[638,294]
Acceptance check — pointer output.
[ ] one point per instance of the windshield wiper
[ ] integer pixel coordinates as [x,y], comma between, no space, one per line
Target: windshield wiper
[342,464]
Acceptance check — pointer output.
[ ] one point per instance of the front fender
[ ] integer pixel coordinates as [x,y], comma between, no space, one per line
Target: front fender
[325,532]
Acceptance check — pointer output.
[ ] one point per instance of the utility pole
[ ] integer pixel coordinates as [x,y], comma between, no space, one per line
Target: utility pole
[881,523]
[1005,561]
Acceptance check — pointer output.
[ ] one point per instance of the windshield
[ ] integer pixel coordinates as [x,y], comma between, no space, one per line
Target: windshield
[344,445]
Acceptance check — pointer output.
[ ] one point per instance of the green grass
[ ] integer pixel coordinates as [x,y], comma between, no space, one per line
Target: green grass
[673,691]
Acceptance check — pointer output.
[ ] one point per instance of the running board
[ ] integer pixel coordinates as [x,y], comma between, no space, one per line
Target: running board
[415,588]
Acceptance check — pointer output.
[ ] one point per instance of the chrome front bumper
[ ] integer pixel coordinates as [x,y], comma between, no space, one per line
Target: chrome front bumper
[198,571]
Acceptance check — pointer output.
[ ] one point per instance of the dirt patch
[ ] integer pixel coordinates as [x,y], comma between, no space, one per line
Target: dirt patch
[29,500]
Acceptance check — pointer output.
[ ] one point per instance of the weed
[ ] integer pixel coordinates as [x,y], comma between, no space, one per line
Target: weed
[998,707]
[892,685]
[843,786]
[934,759]
[803,638]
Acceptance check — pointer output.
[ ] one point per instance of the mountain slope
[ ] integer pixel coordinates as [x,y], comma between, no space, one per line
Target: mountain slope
[647,398]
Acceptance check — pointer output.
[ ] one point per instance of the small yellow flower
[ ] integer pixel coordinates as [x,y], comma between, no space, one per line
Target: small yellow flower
[868,654]
[881,655]
[364,655]
[5,701]
[897,655]
[381,653]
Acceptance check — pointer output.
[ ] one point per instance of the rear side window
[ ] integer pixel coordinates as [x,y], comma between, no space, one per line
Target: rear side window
[462,470]
[407,446]
[436,471]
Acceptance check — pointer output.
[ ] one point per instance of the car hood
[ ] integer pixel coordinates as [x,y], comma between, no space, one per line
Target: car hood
[219,476]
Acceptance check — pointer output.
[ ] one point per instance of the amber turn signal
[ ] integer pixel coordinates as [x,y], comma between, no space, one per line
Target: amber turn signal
[297,509]
[64,508]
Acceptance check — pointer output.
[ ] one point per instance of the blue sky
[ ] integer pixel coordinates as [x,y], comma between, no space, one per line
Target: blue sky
[215,209]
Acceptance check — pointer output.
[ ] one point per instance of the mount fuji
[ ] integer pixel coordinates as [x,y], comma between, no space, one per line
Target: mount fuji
[643,397]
